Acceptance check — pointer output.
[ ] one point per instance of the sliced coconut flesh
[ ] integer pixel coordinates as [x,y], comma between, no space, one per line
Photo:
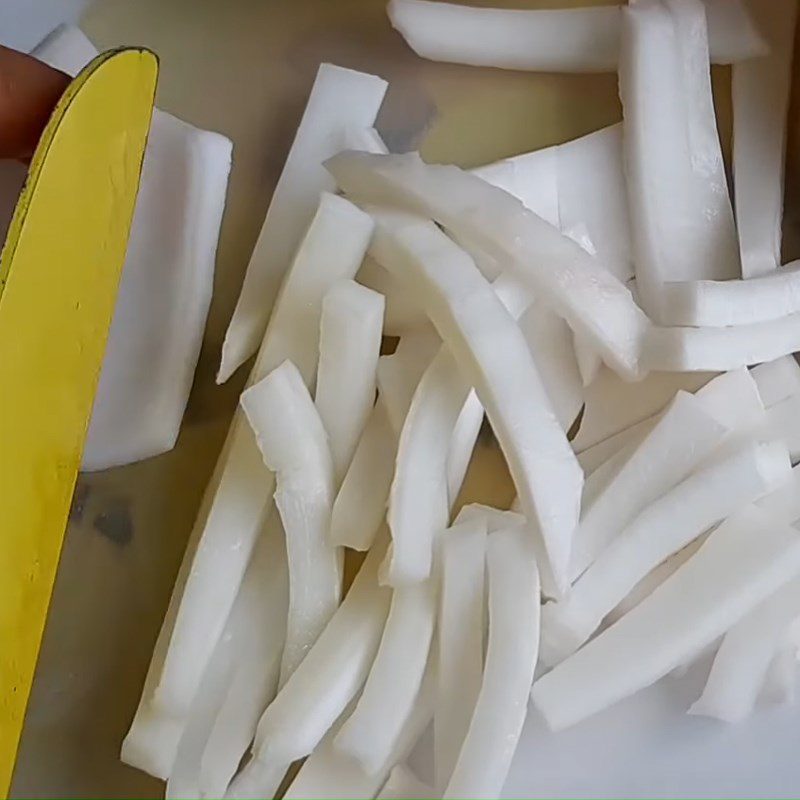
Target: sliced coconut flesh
[340,100]
[371,731]
[236,503]
[564,40]
[743,660]
[294,445]
[330,775]
[578,286]
[677,189]
[319,690]
[460,640]
[490,349]
[748,558]
[513,643]
[349,346]
[666,526]
[684,436]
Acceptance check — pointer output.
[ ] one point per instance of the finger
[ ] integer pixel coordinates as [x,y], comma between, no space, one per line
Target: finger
[29,90]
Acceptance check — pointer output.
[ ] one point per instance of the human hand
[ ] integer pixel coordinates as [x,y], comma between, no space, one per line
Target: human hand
[29,90]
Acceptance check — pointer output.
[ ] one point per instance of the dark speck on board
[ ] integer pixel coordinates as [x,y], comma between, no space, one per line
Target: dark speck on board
[79,498]
[115,523]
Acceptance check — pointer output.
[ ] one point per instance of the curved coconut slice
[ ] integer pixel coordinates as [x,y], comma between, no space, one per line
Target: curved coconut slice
[294,445]
[419,498]
[554,267]
[717,304]
[322,686]
[460,639]
[564,40]
[236,502]
[748,558]
[341,100]
[256,663]
[511,653]
[760,107]
[492,353]
[360,506]
[370,733]
[740,667]
[666,526]
[683,438]
[677,188]
[328,774]
[720,349]
[351,326]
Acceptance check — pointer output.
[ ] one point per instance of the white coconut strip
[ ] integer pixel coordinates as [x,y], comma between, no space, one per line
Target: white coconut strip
[731,398]
[294,445]
[319,690]
[565,40]
[666,526]
[360,505]
[256,664]
[554,267]
[351,326]
[777,380]
[493,355]
[327,774]
[742,661]
[402,315]
[511,654]
[718,304]
[419,497]
[530,177]
[371,731]
[550,341]
[683,438]
[399,374]
[459,639]
[403,784]
[462,445]
[760,107]
[677,189]
[249,650]
[720,349]
[591,192]
[340,100]
[654,579]
[744,561]
[236,501]
[183,781]
[612,405]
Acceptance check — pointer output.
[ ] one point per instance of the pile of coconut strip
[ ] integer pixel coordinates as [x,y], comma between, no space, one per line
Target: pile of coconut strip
[619,331]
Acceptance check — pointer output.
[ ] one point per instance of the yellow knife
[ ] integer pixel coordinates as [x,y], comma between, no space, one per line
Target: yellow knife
[59,273]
